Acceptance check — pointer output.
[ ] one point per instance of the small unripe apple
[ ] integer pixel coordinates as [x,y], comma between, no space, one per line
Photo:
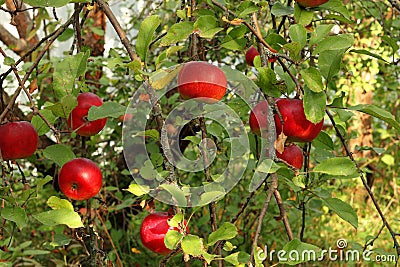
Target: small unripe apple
[77,120]
[202,81]
[80,179]
[18,140]
[153,230]
[258,119]
[292,155]
[296,126]
[311,3]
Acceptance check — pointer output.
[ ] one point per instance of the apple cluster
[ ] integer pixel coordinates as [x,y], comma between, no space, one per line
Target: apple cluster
[81,178]
[292,122]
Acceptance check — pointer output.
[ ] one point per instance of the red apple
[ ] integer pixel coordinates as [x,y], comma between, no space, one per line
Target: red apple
[80,179]
[253,52]
[296,127]
[258,119]
[292,155]
[153,230]
[250,55]
[311,3]
[77,120]
[18,140]
[199,79]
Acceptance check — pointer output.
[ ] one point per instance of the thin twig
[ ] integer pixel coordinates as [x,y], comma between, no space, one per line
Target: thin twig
[33,66]
[361,173]
[271,191]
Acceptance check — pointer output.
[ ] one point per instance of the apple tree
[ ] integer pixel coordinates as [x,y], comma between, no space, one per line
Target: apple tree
[199,133]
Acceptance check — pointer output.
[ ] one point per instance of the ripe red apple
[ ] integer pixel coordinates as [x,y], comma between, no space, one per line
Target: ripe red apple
[253,52]
[292,155]
[153,230]
[258,119]
[18,140]
[199,79]
[296,127]
[250,55]
[80,179]
[311,3]
[77,120]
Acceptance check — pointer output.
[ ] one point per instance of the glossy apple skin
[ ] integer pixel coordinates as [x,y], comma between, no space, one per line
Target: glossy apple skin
[153,230]
[293,155]
[80,179]
[77,120]
[311,3]
[250,55]
[296,127]
[202,81]
[18,140]
[258,119]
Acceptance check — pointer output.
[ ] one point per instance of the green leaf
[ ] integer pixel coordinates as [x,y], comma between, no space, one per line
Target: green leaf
[146,34]
[303,16]
[107,109]
[66,70]
[177,194]
[237,258]
[60,240]
[305,252]
[321,31]
[57,203]
[337,6]
[162,78]
[313,79]
[66,35]
[344,210]
[60,216]
[298,34]
[280,10]
[225,232]
[267,80]
[245,8]
[392,43]
[314,105]
[59,153]
[40,125]
[47,3]
[176,220]
[64,107]
[207,26]
[368,53]
[336,42]
[267,166]
[15,214]
[177,32]
[329,63]
[209,197]
[294,49]
[8,61]
[172,239]
[324,141]
[192,245]
[138,190]
[379,113]
[235,40]
[337,166]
